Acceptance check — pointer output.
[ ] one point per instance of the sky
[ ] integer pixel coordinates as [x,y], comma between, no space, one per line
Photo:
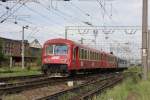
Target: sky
[47,19]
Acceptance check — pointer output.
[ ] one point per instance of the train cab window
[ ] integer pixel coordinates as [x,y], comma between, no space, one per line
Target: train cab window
[49,49]
[60,49]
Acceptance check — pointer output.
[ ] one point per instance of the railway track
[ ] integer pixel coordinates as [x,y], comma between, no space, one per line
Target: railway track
[11,88]
[86,90]
[19,78]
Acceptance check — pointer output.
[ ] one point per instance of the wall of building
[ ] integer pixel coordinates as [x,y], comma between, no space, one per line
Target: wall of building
[12,48]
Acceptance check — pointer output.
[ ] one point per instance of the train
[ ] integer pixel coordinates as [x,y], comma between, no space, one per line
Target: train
[68,57]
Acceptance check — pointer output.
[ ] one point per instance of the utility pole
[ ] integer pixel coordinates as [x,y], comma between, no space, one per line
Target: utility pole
[66,32]
[144,39]
[148,50]
[23,28]
[82,39]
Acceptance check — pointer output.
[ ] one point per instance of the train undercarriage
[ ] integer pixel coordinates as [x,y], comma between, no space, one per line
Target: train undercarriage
[62,70]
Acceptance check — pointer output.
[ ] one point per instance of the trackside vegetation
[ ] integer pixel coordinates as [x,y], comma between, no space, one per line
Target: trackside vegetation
[18,71]
[132,88]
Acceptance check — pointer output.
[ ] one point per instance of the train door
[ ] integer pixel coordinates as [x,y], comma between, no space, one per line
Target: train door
[76,57]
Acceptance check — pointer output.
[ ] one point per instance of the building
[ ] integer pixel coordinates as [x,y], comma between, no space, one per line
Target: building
[35,48]
[13,49]
[35,44]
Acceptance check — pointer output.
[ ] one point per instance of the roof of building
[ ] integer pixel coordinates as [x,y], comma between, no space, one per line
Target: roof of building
[26,41]
[36,44]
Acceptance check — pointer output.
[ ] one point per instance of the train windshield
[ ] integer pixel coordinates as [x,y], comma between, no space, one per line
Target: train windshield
[59,49]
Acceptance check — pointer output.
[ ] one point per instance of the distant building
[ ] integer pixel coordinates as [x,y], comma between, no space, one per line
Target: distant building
[35,44]
[13,48]
[35,48]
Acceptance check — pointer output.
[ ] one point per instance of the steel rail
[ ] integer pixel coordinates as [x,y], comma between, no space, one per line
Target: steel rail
[77,88]
[36,83]
[6,79]
[99,89]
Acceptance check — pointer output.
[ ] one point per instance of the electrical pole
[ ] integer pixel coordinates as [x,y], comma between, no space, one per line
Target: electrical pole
[148,50]
[144,39]
[23,28]
[66,32]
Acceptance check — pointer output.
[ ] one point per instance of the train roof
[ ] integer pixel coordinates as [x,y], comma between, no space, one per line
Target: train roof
[67,41]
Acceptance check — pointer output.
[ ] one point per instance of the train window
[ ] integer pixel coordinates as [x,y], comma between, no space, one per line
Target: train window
[91,54]
[85,54]
[94,55]
[49,49]
[98,56]
[88,55]
[60,49]
[74,53]
[102,56]
[80,53]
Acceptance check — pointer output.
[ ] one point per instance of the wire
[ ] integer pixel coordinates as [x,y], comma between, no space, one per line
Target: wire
[65,14]
[51,10]
[85,13]
[10,8]
[46,17]
[14,11]
[101,5]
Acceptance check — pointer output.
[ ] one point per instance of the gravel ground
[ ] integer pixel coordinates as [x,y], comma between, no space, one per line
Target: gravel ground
[38,93]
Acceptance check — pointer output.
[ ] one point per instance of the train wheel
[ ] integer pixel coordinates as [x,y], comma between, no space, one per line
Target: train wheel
[72,73]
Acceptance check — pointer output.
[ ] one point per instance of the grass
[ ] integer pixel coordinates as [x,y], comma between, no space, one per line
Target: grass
[132,88]
[18,71]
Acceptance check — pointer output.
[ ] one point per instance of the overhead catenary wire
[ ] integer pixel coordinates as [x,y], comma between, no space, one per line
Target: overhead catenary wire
[10,9]
[14,11]
[104,9]
[67,15]
[42,15]
[58,14]
[79,9]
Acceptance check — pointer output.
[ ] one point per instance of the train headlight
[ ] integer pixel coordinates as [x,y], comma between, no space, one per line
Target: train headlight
[64,60]
[47,60]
